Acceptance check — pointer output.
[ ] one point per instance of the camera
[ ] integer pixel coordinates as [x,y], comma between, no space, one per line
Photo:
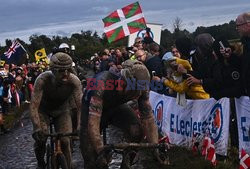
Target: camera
[153,73]
[129,48]
[221,45]
[185,76]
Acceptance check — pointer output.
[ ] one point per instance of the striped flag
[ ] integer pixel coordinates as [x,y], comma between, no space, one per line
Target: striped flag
[244,160]
[124,22]
[208,150]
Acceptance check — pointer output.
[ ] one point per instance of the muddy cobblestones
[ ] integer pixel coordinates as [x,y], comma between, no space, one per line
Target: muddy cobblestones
[16,149]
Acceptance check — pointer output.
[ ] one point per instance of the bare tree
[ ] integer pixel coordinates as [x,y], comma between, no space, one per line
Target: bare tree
[177,24]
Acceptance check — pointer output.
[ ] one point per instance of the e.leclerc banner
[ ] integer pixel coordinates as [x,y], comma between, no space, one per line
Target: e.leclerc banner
[197,117]
[243,118]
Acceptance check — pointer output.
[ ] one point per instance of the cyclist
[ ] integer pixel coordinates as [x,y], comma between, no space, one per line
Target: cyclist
[106,105]
[53,93]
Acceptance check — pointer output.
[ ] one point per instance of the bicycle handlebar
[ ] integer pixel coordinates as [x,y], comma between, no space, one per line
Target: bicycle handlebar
[137,145]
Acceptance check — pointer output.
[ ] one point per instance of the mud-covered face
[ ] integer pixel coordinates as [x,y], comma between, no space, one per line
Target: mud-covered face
[61,74]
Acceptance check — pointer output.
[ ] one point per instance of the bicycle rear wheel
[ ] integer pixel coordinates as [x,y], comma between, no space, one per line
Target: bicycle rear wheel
[61,161]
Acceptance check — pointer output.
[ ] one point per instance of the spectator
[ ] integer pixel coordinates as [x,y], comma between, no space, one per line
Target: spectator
[203,57]
[184,46]
[106,51]
[138,44]
[104,64]
[141,56]
[18,86]
[230,65]
[6,68]
[6,96]
[154,63]
[243,27]
[178,82]
[146,42]
[175,52]
[119,58]
[186,50]
[96,65]
[211,73]
[125,53]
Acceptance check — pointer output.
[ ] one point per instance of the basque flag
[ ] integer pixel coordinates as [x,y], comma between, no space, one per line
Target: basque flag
[124,22]
[15,54]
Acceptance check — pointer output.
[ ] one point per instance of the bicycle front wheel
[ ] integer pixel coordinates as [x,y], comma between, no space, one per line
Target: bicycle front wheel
[62,161]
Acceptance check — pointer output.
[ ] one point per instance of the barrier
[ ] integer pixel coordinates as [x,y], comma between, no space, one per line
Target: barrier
[243,120]
[198,117]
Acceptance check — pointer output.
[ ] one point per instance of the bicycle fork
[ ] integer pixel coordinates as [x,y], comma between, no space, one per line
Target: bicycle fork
[58,149]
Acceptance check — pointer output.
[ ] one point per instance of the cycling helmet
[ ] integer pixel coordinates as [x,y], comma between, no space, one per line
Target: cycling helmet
[61,60]
[64,45]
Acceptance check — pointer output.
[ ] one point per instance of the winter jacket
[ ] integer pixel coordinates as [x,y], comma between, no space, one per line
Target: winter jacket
[194,92]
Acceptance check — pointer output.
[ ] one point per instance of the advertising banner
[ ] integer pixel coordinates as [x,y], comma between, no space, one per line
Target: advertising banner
[243,118]
[198,118]
[155,33]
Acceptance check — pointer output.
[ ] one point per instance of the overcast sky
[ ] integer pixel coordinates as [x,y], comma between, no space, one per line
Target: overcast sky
[22,18]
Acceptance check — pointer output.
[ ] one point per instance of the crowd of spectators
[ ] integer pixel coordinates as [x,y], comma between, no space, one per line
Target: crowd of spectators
[16,85]
[206,67]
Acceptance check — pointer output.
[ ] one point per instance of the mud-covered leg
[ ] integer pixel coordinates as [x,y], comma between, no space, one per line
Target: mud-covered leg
[88,153]
[40,145]
[63,124]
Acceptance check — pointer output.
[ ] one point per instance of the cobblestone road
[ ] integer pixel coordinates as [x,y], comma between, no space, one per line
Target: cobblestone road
[16,148]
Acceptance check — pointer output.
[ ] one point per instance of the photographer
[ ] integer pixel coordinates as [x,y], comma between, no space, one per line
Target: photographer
[206,67]
[230,66]
[243,27]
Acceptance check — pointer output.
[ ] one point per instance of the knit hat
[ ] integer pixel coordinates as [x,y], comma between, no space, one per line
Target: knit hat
[135,69]
[61,60]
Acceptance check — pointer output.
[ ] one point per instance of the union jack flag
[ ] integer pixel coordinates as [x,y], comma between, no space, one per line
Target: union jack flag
[14,54]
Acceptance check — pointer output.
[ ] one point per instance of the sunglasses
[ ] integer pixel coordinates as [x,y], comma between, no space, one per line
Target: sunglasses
[139,56]
[138,42]
[237,25]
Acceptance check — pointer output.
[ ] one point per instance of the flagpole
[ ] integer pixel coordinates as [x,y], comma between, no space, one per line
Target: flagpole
[21,45]
[27,55]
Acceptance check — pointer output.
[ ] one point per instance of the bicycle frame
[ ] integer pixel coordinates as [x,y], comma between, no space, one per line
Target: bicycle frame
[55,156]
[120,147]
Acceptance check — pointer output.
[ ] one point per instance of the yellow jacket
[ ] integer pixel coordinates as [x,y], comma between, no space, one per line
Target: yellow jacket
[132,57]
[195,91]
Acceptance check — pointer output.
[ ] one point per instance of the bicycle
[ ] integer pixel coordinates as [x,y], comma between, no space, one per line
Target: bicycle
[55,158]
[120,147]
